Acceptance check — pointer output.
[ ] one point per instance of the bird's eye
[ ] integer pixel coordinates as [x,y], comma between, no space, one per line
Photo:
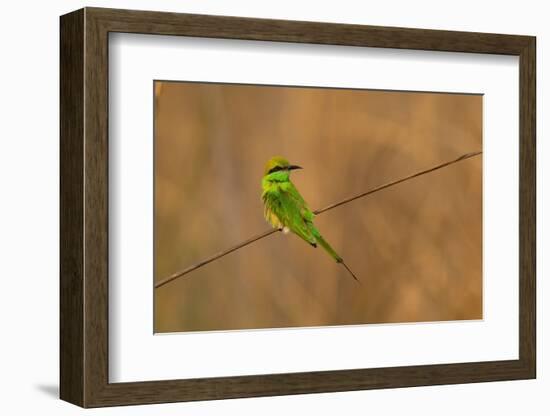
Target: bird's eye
[275,169]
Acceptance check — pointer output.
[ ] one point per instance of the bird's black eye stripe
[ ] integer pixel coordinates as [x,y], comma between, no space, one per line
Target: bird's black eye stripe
[275,169]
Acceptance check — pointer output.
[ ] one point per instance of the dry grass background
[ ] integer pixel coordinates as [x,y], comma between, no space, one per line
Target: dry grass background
[417,247]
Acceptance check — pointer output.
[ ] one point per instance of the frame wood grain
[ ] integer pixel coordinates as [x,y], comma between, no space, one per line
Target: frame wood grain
[84,207]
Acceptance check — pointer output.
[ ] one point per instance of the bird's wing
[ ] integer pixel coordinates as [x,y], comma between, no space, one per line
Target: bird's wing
[307,222]
[293,194]
[294,213]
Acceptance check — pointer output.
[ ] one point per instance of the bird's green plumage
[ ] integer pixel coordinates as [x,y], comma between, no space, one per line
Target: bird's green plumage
[284,207]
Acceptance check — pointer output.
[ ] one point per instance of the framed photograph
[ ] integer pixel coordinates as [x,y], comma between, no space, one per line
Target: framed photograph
[254,207]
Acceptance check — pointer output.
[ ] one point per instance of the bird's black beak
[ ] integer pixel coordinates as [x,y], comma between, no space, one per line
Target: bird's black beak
[294,167]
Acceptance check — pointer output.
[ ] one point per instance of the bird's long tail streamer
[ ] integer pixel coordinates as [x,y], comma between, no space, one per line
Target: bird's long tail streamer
[350,272]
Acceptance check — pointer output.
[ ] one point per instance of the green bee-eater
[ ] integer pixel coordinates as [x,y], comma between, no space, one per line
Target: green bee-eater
[285,209]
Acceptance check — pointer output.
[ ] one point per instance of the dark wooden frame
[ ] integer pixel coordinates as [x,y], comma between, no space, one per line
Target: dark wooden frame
[84,207]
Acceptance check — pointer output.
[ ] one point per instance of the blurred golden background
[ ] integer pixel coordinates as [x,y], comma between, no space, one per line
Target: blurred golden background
[416,247]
